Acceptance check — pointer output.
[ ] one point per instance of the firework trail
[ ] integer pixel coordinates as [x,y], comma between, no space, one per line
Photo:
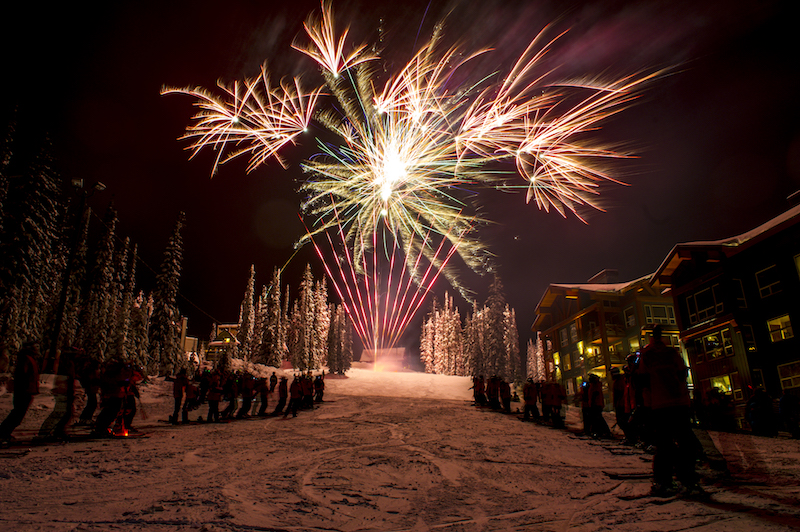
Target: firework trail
[411,150]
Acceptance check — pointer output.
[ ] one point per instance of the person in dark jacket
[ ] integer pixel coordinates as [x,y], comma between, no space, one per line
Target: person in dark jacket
[283,394]
[112,388]
[529,395]
[180,383]
[262,389]
[273,381]
[504,390]
[26,386]
[54,427]
[597,404]
[214,396]
[295,397]
[319,388]
[661,376]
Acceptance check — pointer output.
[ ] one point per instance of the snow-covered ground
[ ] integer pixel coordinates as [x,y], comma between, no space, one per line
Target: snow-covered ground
[386,451]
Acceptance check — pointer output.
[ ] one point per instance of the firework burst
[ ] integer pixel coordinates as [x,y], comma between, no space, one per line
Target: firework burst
[413,148]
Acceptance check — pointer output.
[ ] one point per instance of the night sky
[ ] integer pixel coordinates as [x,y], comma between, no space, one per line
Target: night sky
[718,139]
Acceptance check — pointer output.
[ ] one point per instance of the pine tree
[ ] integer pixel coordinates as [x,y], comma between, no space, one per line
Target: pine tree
[511,342]
[494,347]
[247,317]
[164,340]
[93,334]
[322,323]
[275,332]
[295,338]
[427,342]
[260,349]
[127,282]
[73,296]
[30,192]
[137,341]
[305,356]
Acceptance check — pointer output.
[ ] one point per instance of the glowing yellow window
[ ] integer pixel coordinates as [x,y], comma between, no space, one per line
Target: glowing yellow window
[722,383]
[780,328]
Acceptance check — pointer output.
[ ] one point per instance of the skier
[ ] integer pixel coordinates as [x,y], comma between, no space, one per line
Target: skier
[661,376]
[26,385]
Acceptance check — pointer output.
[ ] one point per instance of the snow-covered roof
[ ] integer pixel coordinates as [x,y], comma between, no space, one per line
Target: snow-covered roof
[738,240]
[730,245]
[602,287]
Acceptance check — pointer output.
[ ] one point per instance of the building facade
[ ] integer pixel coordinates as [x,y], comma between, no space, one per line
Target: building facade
[593,327]
[735,301]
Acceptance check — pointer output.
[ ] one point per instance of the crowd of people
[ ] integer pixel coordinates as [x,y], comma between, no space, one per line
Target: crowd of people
[110,392]
[652,406]
[212,387]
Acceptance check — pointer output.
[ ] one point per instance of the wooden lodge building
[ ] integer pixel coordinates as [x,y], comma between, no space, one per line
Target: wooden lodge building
[727,305]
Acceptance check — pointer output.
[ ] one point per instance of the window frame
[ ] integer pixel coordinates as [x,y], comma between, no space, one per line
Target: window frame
[769,289]
[782,329]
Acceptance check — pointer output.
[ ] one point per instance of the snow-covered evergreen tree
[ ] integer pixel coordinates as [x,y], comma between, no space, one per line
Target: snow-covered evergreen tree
[260,347]
[138,342]
[296,338]
[275,331]
[305,358]
[247,317]
[73,296]
[164,324]
[127,281]
[494,347]
[93,334]
[29,233]
[321,324]
[511,342]
[428,340]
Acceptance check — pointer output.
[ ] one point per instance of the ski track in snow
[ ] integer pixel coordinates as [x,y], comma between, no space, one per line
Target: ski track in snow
[387,452]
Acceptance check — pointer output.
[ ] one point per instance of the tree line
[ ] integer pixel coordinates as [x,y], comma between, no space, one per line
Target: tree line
[486,343]
[310,333]
[64,290]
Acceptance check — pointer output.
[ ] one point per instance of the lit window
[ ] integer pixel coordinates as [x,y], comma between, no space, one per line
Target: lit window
[789,375]
[722,383]
[780,328]
[662,314]
[768,281]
